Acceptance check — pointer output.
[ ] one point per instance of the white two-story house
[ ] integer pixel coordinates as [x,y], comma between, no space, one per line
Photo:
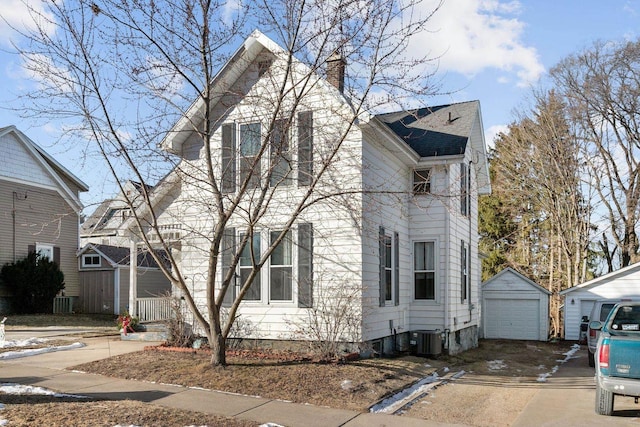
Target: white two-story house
[382,209]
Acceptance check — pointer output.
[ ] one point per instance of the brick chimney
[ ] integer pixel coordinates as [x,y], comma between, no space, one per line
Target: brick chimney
[336,65]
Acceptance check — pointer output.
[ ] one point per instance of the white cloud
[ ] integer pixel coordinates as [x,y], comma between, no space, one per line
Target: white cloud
[493,131]
[15,15]
[470,36]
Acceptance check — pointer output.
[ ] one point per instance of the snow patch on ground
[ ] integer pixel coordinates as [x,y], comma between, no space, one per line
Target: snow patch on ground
[567,356]
[22,343]
[19,389]
[32,352]
[496,365]
[389,404]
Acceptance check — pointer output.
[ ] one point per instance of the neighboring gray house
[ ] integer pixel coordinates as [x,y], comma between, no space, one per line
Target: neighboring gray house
[514,307]
[579,300]
[39,210]
[105,278]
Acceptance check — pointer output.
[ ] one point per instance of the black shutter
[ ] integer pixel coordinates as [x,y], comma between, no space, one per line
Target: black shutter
[305,148]
[305,265]
[382,264]
[31,249]
[228,158]
[396,267]
[56,255]
[228,250]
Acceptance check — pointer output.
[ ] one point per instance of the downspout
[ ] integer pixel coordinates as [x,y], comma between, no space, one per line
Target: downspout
[445,283]
[470,277]
[13,217]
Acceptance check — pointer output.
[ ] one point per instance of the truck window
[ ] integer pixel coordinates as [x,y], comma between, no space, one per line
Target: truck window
[605,310]
[627,319]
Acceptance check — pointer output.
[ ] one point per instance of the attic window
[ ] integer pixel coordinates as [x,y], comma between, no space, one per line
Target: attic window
[422,181]
[91,260]
[263,66]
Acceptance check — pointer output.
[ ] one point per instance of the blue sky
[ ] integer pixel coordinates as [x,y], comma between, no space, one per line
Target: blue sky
[491,50]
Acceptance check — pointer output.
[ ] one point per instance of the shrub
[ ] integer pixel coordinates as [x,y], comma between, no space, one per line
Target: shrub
[34,282]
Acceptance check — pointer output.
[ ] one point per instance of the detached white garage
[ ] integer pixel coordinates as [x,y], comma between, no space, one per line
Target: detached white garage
[578,300]
[514,307]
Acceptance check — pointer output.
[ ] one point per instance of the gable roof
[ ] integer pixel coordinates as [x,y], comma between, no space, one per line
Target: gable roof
[240,61]
[594,282]
[119,256]
[443,130]
[102,222]
[55,170]
[525,279]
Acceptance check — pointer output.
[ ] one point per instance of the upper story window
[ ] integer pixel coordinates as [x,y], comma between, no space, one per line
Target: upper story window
[91,260]
[243,143]
[424,271]
[250,143]
[465,189]
[422,181]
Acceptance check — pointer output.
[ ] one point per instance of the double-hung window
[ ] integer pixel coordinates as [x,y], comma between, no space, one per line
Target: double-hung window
[389,268]
[249,257]
[45,251]
[464,271]
[424,273]
[281,262]
[465,189]
[250,143]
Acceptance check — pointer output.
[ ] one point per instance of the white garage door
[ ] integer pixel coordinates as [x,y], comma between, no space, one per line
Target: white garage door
[512,319]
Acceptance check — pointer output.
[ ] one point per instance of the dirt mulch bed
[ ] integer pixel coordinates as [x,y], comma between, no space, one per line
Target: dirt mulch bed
[286,376]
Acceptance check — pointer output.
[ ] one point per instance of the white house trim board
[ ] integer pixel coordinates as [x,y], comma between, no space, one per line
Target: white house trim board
[623,283]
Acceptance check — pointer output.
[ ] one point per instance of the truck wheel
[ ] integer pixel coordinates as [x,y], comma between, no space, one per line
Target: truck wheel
[591,357]
[604,401]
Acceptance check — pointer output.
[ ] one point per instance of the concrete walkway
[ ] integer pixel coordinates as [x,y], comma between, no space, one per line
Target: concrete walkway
[49,370]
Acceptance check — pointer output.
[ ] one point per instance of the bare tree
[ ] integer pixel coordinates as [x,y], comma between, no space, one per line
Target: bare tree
[130,75]
[538,177]
[601,86]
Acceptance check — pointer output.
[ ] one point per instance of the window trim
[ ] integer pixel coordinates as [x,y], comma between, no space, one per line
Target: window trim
[291,266]
[249,267]
[464,272]
[423,186]
[435,269]
[47,246]
[255,180]
[91,265]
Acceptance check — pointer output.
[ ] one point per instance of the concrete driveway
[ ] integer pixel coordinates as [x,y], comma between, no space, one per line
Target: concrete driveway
[568,399]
